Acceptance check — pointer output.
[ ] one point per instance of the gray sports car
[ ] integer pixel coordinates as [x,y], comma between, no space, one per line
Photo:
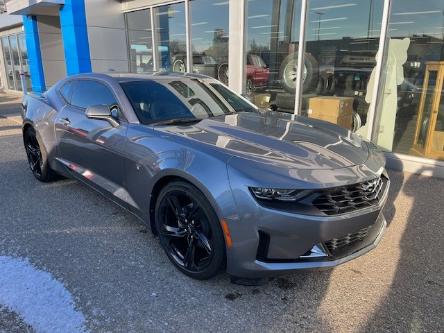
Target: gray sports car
[222,183]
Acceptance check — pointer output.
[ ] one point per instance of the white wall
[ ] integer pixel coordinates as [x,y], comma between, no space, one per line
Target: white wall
[7,20]
[106,35]
[51,48]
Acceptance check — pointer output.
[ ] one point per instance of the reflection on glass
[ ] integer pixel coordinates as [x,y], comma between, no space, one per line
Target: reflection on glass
[440,117]
[402,117]
[209,31]
[140,41]
[169,28]
[15,60]
[185,100]
[427,109]
[24,60]
[341,45]
[8,62]
[272,44]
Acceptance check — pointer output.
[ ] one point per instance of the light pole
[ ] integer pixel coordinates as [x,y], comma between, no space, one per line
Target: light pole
[319,21]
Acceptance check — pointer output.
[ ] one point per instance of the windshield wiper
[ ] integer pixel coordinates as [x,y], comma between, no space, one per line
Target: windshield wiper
[176,121]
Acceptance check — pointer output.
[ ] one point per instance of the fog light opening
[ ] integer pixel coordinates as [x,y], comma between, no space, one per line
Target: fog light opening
[316,251]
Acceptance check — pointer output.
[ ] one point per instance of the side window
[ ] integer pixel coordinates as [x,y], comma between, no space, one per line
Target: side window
[88,93]
[66,91]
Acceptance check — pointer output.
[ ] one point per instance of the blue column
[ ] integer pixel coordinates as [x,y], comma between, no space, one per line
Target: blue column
[75,37]
[34,55]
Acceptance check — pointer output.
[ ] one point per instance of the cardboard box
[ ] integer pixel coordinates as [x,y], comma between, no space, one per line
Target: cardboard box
[336,110]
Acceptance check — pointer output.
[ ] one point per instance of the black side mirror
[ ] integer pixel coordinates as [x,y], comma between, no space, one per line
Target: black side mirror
[103,112]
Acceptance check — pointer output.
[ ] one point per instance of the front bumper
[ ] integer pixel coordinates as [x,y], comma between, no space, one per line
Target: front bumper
[291,238]
[324,262]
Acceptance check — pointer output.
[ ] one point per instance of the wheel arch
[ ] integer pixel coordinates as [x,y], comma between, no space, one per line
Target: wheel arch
[26,126]
[168,176]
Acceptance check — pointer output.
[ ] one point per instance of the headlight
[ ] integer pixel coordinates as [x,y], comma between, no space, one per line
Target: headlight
[264,193]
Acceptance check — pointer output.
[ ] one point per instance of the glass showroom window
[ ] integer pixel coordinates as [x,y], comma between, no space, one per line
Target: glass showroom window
[8,62]
[272,46]
[342,39]
[411,116]
[138,25]
[16,61]
[24,60]
[170,36]
[209,38]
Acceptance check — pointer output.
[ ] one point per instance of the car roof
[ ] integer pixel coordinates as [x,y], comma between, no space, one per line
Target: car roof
[126,77]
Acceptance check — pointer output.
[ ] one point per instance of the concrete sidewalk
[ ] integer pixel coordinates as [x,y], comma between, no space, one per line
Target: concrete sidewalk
[10,106]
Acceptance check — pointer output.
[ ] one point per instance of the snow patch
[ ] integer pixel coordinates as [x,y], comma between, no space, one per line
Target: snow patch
[42,301]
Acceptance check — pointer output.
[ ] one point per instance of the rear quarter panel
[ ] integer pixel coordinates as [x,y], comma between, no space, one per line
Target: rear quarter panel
[40,115]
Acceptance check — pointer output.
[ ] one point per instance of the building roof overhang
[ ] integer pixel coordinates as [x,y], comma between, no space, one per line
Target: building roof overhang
[34,7]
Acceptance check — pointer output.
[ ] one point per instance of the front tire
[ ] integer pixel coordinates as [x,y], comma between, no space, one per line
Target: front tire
[189,231]
[37,157]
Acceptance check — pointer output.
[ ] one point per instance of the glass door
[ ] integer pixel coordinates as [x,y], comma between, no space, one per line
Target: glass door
[16,61]
[429,136]
[8,63]
[170,37]
[139,32]
[24,60]
[437,119]
[16,66]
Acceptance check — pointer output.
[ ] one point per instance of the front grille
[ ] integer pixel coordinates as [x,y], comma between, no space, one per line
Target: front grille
[349,198]
[337,243]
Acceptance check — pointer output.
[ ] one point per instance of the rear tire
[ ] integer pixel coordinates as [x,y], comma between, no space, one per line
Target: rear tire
[37,157]
[189,231]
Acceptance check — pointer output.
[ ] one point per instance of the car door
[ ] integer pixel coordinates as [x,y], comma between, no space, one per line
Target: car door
[90,148]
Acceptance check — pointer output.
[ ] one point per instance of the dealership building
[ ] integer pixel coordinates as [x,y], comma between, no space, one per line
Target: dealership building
[373,66]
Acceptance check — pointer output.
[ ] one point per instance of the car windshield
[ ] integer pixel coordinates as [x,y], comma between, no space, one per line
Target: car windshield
[185,98]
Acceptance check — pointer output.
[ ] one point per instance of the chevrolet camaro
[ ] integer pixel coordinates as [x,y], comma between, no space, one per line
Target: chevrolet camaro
[223,184]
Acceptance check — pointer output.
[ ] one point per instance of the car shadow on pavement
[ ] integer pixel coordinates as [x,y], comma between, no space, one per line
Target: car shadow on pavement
[414,302]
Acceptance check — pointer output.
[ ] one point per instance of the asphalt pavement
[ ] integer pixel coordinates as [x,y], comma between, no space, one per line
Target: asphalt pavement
[73,261]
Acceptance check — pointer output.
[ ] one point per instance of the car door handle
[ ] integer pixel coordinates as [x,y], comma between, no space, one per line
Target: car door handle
[65,121]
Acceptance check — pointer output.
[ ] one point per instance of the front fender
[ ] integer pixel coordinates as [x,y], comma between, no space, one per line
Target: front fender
[215,189]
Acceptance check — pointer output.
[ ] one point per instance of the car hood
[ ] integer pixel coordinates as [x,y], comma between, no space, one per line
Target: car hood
[276,138]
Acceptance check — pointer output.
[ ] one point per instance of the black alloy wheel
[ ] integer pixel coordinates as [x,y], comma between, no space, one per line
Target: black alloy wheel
[33,153]
[189,231]
[37,157]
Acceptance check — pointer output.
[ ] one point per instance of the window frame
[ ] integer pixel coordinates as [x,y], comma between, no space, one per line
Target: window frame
[59,91]
[106,85]
[122,116]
